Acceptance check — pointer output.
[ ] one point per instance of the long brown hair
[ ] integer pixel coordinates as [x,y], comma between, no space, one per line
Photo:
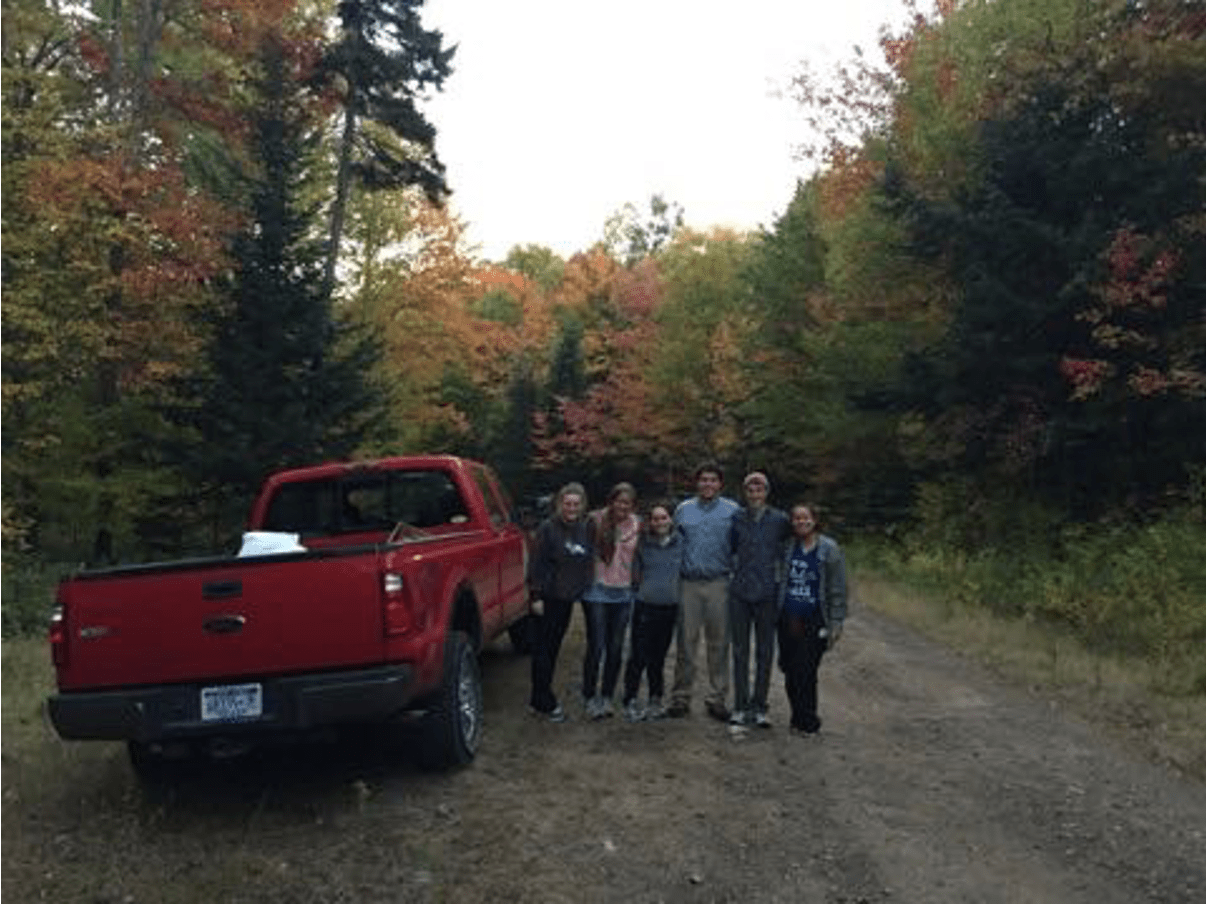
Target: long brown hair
[605,539]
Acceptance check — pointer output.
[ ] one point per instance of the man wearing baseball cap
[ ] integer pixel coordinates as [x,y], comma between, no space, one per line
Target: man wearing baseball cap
[757,534]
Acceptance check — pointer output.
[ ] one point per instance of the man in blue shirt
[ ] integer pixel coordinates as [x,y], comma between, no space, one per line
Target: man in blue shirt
[704,522]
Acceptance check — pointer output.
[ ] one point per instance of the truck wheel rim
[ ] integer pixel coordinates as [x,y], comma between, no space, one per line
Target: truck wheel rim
[468,702]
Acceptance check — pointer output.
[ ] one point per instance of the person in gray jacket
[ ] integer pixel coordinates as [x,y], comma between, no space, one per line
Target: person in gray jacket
[812,612]
[657,577]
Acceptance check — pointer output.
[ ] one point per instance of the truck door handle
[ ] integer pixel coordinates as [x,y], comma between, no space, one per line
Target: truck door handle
[224,624]
[221,590]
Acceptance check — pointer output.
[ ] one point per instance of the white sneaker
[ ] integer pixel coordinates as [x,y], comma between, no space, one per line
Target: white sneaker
[606,708]
[762,720]
[556,714]
[738,718]
[633,711]
[655,710]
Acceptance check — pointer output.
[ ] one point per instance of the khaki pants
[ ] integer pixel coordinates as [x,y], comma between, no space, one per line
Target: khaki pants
[705,607]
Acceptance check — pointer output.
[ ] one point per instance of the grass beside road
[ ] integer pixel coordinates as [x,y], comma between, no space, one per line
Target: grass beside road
[297,828]
[1117,693]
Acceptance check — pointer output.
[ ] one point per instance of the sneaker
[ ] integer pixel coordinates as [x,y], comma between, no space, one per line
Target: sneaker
[655,710]
[594,708]
[678,709]
[556,714]
[718,711]
[606,708]
[633,711]
[762,720]
[737,718]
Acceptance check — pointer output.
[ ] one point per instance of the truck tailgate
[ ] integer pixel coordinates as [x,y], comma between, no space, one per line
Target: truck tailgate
[222,619]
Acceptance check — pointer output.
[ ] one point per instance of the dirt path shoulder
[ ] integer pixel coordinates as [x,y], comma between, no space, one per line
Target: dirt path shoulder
[931,782]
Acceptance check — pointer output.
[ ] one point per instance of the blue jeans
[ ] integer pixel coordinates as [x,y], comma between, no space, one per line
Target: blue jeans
[605,626]
[761,616]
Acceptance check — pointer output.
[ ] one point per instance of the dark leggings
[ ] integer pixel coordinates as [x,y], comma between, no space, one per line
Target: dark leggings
[800,652]
[549,631]
[652,631]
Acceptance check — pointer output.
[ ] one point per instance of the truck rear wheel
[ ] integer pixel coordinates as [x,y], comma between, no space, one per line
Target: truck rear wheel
[452,728]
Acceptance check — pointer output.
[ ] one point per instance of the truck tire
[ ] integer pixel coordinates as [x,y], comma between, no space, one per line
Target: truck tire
[452,727]
[522,634]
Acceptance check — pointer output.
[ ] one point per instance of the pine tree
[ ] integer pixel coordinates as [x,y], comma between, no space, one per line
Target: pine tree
[381,63]
[288,382]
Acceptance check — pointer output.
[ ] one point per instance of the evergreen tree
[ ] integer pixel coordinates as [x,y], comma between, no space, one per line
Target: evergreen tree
[382,61]
[567,376]
[287,382]
[514,448]
[1072,182]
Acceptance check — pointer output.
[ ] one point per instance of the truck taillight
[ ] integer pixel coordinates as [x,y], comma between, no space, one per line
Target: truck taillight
[396,603]
[58,634]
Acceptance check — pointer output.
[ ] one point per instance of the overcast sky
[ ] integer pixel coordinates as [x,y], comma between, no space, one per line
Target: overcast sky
[561,111]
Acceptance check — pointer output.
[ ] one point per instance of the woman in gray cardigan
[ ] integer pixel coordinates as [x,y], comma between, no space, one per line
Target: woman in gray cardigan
[812,609]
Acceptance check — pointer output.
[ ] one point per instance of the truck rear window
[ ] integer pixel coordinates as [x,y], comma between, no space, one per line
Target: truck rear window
[366,501]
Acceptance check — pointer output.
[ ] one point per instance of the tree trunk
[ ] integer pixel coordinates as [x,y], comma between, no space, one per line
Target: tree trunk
[343,178]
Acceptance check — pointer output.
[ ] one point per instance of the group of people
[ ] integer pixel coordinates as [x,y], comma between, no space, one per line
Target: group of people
[705,566]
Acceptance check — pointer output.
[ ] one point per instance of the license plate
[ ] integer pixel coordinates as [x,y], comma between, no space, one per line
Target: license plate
[232,701]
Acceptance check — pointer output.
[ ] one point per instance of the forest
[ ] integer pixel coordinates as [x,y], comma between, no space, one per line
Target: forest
[976,334]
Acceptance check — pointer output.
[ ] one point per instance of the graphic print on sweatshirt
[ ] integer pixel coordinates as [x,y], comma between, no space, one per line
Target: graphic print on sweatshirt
[803,580]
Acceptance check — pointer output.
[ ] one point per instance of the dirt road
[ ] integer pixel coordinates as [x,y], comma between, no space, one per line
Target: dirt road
[930,782]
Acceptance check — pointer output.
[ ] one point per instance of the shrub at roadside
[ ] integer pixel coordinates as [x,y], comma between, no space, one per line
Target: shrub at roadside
[28,595]
[1136,591]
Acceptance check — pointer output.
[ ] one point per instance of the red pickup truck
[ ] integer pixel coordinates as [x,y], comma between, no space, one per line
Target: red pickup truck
[363,593]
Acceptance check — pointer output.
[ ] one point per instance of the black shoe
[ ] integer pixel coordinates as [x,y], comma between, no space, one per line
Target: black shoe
[678,710]
[719,712]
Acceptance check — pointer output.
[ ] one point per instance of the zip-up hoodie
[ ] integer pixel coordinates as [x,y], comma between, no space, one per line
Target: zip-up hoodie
[832,565]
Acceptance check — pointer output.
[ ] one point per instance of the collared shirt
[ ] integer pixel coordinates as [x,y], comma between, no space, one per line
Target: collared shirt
[705,530]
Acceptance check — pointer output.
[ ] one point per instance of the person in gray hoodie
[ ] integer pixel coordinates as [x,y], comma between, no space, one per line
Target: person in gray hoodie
[811,613]
[657,579]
